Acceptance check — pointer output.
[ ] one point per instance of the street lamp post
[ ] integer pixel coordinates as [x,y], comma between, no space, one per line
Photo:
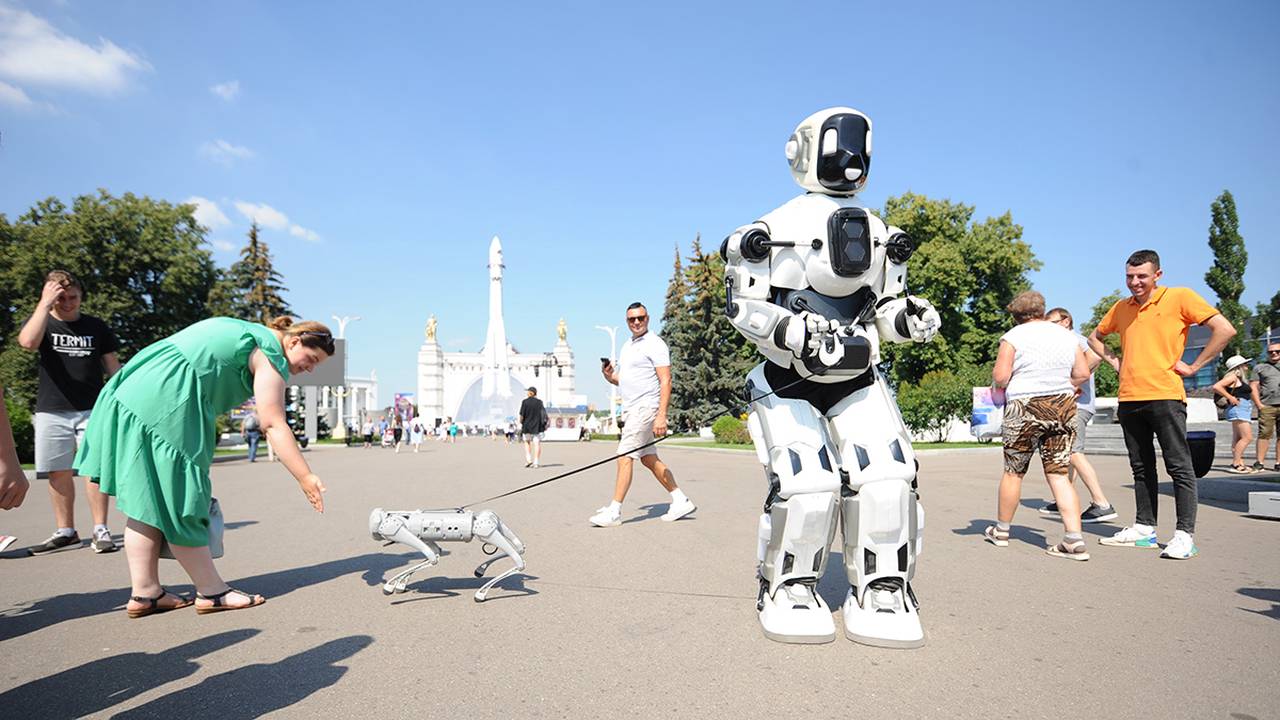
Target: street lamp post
[342,334]
[547,362]
[613,359]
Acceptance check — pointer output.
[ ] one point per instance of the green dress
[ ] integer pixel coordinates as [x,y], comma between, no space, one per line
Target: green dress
[151,437]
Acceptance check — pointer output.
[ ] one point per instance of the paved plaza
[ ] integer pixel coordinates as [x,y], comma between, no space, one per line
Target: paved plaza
[648,619]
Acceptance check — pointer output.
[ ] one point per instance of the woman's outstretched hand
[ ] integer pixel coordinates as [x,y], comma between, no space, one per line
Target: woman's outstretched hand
[314,490]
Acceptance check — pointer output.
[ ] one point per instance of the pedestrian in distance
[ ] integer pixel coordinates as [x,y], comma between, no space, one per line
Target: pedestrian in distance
[150,443]
[1267,382]
[533,423]
[1152,324]
[1240,397]
[643,377]
[251,428]
[77,352]
[1040,365]
[1100,509]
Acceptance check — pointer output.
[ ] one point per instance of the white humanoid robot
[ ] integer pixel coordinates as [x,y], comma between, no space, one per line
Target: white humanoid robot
[817,284]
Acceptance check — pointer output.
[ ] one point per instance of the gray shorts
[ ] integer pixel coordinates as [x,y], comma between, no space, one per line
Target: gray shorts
[531,437]
[637,430]
[57,435]
[1082,422]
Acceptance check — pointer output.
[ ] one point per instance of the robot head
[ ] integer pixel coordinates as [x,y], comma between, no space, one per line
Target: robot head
[830,151]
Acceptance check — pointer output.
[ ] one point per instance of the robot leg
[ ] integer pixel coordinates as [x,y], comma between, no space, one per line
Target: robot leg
[798,524]
[419,529]
[490,529]
[882,521]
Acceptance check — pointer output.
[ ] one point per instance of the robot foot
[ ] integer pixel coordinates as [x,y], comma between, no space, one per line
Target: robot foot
[889,619]
[796,614]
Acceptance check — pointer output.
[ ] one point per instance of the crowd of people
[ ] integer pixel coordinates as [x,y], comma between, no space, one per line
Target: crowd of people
[144,432]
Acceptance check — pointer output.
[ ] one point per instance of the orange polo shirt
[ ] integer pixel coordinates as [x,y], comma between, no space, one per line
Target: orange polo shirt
[1152,339]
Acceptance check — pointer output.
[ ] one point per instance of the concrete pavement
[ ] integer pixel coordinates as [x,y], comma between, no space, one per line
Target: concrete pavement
[643,620]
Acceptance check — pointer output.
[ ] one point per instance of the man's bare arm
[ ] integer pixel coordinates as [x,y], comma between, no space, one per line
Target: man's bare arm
[1221,331]
[1104,352]
[33,330]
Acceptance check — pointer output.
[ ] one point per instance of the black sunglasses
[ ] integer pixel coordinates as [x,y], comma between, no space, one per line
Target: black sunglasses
[327,338]
[638,318]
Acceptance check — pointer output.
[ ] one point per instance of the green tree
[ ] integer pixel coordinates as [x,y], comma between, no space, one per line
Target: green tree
[941,396]
[251,289]
[1226,277]
[716,356]
[1106,382]
[678,333]
[969,271]
[142,262]
[1268,316]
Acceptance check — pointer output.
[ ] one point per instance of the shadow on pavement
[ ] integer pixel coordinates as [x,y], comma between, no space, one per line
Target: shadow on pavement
[444,587]
[103,683]
[1271,595]
[73,606]
[239,524]
[650,512]
[255,690]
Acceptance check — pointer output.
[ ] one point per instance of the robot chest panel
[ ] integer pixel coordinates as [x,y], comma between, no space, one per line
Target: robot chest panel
[837,250]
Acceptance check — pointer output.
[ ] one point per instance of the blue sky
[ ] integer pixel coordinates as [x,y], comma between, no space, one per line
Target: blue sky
[382,148]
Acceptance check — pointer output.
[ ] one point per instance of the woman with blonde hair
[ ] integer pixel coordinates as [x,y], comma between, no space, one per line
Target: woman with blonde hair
[150,443]
[1241,397]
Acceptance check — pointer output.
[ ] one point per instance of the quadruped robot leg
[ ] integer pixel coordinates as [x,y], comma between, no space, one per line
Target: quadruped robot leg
[422,529]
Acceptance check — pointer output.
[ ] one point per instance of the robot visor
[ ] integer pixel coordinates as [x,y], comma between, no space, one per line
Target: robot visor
[843,155]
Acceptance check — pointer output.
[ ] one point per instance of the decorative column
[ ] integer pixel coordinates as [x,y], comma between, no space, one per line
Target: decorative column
[563,383]
[430,377]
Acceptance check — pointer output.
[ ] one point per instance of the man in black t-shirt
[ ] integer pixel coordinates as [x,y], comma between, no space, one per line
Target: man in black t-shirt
[75,352]
[533,422]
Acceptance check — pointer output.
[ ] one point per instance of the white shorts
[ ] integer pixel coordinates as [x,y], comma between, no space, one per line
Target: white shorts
[57,435]
[531,437]
[637,430]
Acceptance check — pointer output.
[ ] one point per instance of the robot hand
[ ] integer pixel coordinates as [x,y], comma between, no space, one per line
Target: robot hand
[808,334]
[922,319]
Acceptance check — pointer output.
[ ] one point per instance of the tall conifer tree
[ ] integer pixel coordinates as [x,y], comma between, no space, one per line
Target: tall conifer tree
[1226,277]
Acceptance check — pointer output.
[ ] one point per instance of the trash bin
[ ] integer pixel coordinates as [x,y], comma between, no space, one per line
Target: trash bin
[1202,445]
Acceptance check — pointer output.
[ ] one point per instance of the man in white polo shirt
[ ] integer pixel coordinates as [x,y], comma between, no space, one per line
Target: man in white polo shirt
[643,378]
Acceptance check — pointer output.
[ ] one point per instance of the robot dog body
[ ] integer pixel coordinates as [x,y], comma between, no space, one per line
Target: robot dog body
[422,529]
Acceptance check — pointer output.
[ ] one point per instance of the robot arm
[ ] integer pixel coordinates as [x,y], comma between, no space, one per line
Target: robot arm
[779,333]
[906,318]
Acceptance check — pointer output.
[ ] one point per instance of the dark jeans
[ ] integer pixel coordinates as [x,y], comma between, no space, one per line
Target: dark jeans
[1165,421]
[253,436]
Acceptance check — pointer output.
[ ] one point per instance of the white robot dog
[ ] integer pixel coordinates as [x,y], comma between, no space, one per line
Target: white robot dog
[817,284]
[422,529]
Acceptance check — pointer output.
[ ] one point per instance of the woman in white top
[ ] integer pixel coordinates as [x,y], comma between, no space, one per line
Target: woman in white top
[1039,365]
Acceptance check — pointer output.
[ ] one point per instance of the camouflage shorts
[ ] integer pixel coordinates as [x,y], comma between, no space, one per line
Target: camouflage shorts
[1044,422]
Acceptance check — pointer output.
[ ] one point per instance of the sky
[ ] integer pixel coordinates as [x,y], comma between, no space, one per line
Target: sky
[381,146]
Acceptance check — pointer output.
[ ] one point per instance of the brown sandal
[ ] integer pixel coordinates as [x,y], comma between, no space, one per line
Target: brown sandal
[220,606]
[154,606]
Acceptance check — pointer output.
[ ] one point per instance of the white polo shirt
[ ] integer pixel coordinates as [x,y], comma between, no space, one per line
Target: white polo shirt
[637,378]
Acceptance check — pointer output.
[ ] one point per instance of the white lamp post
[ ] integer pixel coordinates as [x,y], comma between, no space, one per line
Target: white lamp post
[342,334]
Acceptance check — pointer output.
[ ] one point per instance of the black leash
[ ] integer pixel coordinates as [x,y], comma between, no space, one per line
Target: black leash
[735,410]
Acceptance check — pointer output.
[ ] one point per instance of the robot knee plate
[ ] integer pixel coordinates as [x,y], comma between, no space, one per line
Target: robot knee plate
[881,532]
[794,537]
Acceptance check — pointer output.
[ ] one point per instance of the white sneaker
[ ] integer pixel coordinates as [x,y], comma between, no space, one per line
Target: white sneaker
[535,463]
[1129,537]
[605,517]
[1181,547]
[679,510]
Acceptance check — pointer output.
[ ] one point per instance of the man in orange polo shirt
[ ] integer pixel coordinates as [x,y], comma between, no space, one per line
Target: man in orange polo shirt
[1153,404]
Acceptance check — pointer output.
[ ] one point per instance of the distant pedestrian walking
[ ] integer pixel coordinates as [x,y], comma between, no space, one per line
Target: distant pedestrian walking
[1241,397]
[1267,383]
[533,422]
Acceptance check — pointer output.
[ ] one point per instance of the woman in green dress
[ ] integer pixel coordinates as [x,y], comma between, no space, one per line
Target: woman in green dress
[151,440]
